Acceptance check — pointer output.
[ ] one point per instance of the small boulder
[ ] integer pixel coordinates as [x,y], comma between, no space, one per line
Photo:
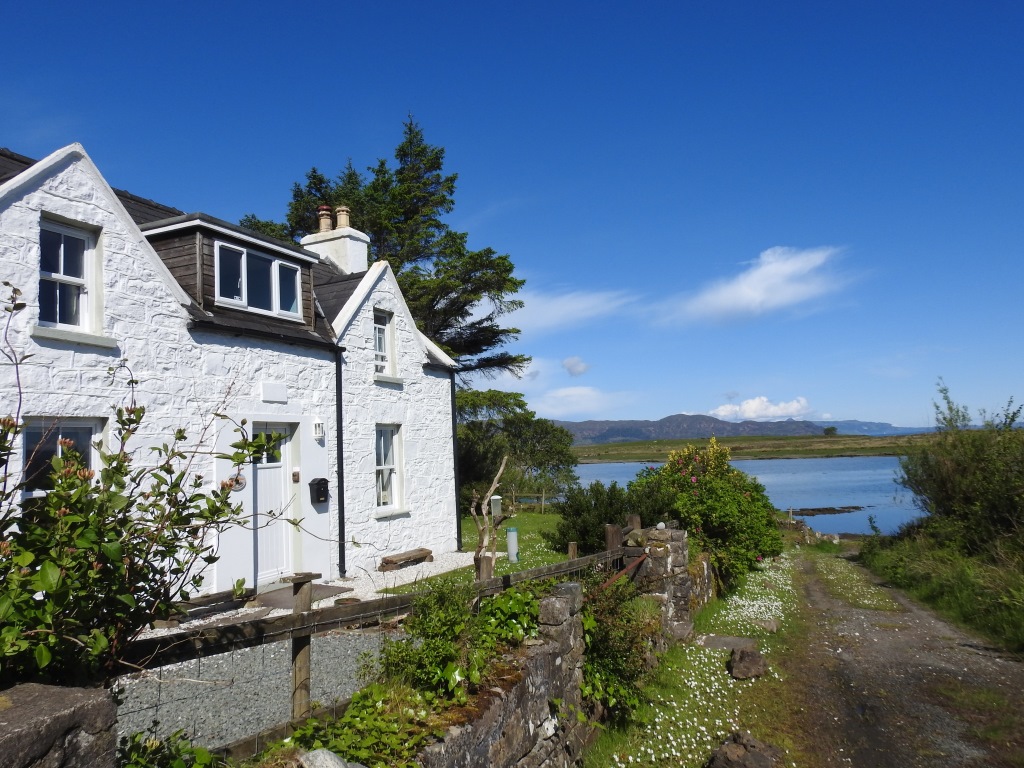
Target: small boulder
[741,750]
[322,758]
[768,625]
[745,664]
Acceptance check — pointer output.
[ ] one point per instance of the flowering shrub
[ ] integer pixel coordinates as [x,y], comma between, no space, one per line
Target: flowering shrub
[86,566]
[726,512]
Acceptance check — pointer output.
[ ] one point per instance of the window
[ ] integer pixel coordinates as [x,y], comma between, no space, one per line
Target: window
[63,275]
[256,282]
[382,361]
[388,479]
[44,440]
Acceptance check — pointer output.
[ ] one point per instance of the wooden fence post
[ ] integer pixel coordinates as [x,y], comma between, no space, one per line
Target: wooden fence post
[634,522]
[302,592]
[573,550]
[612,537]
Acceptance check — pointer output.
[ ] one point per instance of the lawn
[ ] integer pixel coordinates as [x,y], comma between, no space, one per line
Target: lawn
[534,552]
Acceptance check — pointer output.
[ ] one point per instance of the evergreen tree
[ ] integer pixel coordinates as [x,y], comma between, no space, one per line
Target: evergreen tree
[457,295]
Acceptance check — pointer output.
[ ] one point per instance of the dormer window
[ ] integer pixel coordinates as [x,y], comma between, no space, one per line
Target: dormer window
[256,282]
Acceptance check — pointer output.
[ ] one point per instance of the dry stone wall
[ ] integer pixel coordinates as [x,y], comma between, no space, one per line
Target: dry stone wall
[43,725]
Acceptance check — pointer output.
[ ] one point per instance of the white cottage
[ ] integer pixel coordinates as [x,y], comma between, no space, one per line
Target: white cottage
[307,342]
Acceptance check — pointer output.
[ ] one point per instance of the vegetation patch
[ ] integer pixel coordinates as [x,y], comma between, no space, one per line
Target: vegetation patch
[691,703]
[848,583]
[995,720]
[965,557]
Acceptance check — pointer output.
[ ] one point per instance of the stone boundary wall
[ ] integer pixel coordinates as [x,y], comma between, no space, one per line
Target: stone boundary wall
[532,724]
[42,725]
[523,727]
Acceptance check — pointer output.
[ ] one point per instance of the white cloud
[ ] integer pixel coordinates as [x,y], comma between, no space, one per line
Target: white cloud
[557,311]
[573,401]
[779,278]
[758,408]
[575,366]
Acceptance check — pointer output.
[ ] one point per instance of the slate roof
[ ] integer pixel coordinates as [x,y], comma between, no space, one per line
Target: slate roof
[332,288]
[140,209]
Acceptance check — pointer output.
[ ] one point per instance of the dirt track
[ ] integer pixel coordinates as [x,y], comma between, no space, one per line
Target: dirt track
[903,688]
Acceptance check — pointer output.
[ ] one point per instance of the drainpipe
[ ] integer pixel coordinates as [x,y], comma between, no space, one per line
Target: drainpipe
[339,433]
[455,461]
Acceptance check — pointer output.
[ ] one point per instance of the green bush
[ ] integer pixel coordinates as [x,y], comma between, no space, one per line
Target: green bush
[618,628]
[145,750]
[584,513]
[969,482]
[725,512]
[84,569]
[447,647]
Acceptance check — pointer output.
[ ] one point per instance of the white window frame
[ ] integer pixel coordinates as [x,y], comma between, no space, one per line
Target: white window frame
[275,283]
[388,473]
[83,283]
[385,367]
[55,428]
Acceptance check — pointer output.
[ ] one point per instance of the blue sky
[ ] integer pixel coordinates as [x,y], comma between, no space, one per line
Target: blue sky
[745,209]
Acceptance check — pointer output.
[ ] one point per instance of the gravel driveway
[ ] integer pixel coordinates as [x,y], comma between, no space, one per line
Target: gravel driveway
[902,688]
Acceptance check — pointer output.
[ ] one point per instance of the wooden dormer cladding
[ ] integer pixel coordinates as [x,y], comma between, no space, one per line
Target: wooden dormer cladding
[188,247]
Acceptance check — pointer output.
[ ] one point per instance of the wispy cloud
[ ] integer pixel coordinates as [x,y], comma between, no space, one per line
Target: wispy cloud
[574,401]
[575,366]
[778,279]
[758,408]
[545,312]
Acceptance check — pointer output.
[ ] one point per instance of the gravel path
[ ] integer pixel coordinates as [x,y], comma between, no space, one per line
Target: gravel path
[224,698]
[888,689]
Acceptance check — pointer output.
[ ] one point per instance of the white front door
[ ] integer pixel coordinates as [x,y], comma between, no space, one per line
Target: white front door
[273,508]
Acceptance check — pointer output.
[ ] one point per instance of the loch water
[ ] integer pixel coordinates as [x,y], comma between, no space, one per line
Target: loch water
[850,481]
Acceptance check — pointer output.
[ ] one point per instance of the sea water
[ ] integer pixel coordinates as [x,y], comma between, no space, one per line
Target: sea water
[868,482]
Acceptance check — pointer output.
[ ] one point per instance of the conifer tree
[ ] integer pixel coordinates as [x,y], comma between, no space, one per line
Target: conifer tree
[457,295]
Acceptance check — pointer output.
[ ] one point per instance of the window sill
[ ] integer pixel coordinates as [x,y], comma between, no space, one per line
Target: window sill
[389,512]
[73,337]
[381,378]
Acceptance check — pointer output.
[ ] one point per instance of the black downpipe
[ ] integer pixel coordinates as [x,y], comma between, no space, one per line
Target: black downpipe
[339,433]
[455,459]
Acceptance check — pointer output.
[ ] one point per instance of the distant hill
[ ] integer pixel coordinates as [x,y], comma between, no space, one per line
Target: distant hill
[683,426]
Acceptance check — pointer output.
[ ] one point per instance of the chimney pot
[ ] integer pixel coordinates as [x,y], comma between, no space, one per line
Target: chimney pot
[324,214]
[342,212]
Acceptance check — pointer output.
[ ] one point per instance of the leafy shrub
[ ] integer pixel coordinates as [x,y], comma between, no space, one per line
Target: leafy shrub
[382,726]
[145,750]
[618,627]
[726,512]
[969,482]
[447,647]
[584,513]
[86,567]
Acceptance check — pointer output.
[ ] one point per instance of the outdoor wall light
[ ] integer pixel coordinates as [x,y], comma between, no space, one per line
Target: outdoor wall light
[319,431]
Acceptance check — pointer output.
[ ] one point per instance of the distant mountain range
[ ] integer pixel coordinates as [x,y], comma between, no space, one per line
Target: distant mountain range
[683,426]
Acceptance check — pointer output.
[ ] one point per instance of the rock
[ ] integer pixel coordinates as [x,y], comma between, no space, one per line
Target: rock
[322,758]
[745,664]
[727,643]
[770,625]
[741,750]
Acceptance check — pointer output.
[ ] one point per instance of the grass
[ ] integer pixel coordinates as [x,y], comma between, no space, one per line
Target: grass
[844,581]
[986,595]
[534,551]
[692,701]
[994,720]
[804,446]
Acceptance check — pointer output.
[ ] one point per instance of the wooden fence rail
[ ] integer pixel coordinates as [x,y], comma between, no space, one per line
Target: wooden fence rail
[162,650]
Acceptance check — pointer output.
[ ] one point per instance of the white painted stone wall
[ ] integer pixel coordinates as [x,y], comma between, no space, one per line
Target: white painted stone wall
[184,377]
[421,405]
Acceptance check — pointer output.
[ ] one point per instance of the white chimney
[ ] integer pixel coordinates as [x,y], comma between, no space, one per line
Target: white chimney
[347,248]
